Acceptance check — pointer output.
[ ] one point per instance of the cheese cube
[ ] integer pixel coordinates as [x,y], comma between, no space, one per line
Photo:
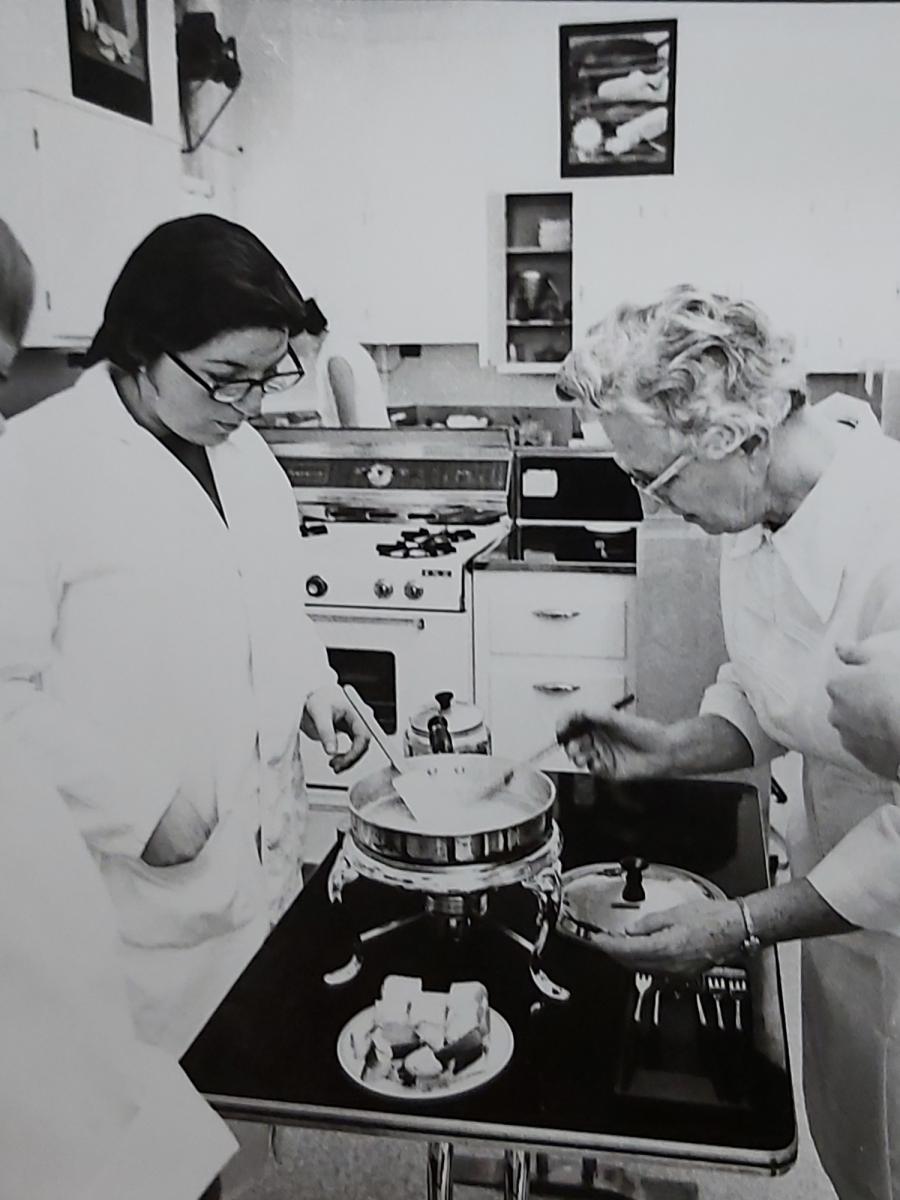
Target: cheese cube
[428,1008]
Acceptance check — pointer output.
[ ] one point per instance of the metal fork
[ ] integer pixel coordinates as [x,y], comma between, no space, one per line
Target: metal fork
[737,987]
[642,983]
[717,985]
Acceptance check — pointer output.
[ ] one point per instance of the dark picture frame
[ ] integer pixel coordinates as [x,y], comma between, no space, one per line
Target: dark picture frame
[617,98]
[108,55]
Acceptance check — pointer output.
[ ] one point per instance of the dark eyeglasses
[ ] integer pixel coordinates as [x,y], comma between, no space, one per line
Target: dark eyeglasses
[236,390]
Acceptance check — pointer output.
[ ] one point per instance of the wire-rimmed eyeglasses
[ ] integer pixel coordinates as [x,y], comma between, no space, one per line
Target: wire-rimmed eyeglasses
[651,485]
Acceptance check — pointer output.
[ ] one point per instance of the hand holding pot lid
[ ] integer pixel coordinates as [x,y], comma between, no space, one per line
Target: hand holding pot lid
[651,917]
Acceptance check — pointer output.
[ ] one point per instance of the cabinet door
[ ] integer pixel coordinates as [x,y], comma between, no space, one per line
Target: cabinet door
[90,188]
[528,696]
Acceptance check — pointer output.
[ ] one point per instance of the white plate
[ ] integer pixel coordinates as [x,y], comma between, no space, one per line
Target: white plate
[489,1066]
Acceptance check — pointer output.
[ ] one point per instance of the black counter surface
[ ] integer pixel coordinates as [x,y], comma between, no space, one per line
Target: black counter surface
[570,547]
[269,1050]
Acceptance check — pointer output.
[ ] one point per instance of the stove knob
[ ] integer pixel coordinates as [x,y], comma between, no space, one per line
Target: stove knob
[413,590]
[383,589]
[316,585]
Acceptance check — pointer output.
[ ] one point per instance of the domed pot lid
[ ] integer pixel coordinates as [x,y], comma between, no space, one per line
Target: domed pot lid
[610,897]
[460,716]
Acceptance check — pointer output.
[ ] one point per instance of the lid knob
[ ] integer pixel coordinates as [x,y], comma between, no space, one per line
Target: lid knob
[444,700]
[634,868]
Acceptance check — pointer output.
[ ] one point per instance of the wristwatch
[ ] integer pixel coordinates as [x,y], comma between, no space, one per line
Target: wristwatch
[751,943]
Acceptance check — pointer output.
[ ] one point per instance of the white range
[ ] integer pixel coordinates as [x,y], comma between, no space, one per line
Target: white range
[391,521]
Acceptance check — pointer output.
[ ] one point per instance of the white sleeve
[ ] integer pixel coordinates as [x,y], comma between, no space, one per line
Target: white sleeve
[317,671]
[117,800]
[727,698]
[860,876]
[86,1110]
[175,1145]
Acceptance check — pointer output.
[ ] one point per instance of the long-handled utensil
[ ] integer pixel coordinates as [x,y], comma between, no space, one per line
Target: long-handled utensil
[505,779]
[377,735]
[414,788]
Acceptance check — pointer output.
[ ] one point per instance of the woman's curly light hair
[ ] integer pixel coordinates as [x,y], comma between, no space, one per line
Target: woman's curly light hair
[703,365]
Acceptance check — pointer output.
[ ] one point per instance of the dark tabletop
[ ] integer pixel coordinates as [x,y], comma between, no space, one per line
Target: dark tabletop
[583,1075]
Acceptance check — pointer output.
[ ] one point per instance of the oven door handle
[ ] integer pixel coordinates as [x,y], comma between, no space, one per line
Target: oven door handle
[557,689]
[373,619]
[557,614]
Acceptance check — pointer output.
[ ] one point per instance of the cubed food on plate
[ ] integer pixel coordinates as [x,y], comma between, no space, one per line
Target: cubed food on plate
[423,1039]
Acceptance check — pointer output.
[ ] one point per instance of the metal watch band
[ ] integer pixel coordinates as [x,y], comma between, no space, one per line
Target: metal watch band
[751,943]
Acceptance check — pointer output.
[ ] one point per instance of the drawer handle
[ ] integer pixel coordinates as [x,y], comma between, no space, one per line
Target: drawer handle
[557,689]
[557,614]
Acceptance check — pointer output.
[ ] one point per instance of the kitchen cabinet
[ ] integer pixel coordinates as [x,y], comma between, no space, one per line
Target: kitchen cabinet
[89,186]
[530,296]
[548,642]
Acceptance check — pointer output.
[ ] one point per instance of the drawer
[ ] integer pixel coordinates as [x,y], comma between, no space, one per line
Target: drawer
[556,614]
[528,696]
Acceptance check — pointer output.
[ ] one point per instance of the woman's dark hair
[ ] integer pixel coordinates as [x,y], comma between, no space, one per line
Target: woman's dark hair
[316,321]
[16,285]
[188,281]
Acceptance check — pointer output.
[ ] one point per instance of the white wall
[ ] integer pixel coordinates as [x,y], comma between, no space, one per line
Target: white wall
[374,131]
[84,185]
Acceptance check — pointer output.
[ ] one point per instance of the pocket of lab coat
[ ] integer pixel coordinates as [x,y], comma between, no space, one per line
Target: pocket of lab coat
[220,890]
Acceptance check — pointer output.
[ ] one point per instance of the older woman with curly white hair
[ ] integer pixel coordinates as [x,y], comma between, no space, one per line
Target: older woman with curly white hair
[697,395]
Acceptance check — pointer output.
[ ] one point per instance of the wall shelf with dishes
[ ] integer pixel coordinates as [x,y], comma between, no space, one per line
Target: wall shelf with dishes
[538,279]
[533,269]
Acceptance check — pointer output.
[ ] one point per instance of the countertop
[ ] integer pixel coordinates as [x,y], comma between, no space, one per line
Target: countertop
[269,1050]
[507,555]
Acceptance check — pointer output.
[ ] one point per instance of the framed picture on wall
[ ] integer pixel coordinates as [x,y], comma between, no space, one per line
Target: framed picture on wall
[108,55]
[617,98]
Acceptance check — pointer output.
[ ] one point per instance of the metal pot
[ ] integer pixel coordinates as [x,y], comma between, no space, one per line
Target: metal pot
[605,898]
[447,726]
[381,825]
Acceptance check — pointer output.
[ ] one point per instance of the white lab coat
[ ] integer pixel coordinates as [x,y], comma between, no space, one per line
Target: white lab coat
[368,394]
[787,599]
[84,1107]
[146,648]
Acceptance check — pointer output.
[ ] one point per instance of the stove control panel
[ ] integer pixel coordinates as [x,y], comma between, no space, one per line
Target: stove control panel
[417,474]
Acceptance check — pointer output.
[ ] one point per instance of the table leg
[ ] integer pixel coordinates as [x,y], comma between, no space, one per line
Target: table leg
[516,1173]
[440,1171]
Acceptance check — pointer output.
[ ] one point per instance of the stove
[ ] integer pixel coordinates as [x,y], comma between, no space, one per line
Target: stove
[392,518]
[393,564]
[391,522]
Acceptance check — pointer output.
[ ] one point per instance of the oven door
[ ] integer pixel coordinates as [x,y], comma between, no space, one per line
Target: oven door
[396,661]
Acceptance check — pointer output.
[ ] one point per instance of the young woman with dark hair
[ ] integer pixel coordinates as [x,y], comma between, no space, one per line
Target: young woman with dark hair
[154,650]
[84,1106]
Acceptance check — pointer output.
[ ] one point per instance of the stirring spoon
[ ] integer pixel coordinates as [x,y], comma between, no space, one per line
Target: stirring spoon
[413,787]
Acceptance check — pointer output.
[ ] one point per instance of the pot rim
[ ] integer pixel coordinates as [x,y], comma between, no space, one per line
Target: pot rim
[445,764]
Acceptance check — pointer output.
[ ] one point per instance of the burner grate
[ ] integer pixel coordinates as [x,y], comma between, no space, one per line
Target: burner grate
[424,543]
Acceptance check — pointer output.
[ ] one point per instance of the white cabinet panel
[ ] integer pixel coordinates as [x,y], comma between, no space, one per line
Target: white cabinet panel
[88,189]
[552,613]
[548,643]
[596,629]
[528,696]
